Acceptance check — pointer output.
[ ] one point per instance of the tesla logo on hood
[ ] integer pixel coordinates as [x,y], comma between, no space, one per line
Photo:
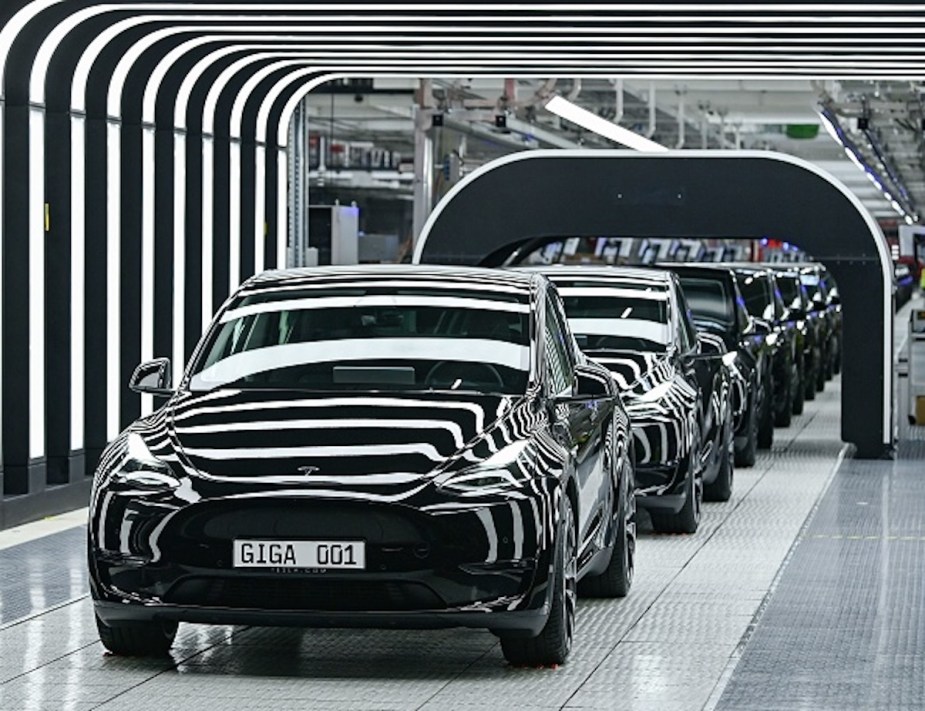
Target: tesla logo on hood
[308,471]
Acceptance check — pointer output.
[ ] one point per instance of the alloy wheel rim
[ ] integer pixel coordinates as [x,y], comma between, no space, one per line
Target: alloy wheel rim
[629,528]
[698,495]
[570,579]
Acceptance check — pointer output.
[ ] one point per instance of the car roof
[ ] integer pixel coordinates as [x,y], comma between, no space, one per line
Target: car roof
[334,275]
[703,268]
[648,275]
[746,267]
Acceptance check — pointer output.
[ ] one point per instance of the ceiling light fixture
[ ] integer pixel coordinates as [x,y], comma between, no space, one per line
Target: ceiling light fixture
[594,123]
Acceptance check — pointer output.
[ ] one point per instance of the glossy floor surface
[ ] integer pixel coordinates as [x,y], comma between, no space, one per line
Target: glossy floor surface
[804,591]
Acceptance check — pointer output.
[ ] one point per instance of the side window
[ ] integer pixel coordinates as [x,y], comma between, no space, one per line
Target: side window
[770,309]
[741,311]
[565,333]
[779,307]
[686,324]
[558,367]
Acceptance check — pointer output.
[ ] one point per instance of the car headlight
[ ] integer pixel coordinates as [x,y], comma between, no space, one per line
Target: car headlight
[729,358]
[141,469]
[772,339]
[497,474]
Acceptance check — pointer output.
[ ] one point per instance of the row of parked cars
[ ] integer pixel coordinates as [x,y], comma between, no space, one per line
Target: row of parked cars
[432,447]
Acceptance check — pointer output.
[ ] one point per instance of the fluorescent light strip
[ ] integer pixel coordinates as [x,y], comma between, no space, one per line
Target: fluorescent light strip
[592,122]
[260,200]
[2,134]
[113,280]
[78,281]
[234,217]
[179,253]
[147,261]
[282,205]
[36,214]
[208,166]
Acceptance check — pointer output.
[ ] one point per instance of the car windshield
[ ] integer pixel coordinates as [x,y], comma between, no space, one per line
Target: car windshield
[813,286]
[573,250]
[617,316]
[790,291]
[370,339]
[709,300]
[757,296]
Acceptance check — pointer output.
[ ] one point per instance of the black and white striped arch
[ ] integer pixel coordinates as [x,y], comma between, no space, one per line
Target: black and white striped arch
[144,165]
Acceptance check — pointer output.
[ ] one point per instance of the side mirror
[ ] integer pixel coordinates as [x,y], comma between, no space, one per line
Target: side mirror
[589,385]
[711,347]
[152,378]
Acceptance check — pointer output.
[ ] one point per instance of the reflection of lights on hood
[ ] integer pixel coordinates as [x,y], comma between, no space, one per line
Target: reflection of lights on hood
[506,456]
[656,393]
[730,358]
[137,451]
[493,475]
[772,339]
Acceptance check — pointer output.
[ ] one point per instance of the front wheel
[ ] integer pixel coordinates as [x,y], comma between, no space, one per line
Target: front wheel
[784,416]
[720,489]
[554,642]
[137,639]
[746,455]
[809,381]
[687,520]
[617,578]
[799,389]
[766,418]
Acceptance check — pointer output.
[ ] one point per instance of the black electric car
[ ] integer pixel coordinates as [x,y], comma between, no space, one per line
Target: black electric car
[826,307]
[810,327]
[675,385]
[404,446]
[712,292]
[766,306]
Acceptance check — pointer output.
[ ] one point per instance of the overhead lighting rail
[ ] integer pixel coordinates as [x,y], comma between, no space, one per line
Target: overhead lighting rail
[899,199]
[564,108]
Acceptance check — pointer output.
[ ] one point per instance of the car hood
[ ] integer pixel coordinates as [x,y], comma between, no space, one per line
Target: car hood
[636,373]
[301,437]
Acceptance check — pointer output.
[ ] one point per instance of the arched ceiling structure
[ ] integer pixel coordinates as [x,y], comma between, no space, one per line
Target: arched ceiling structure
[143,153]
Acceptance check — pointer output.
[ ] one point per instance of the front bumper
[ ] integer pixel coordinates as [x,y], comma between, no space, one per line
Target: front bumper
[485,566]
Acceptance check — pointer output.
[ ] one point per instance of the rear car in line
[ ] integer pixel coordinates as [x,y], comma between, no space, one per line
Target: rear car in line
[675,386]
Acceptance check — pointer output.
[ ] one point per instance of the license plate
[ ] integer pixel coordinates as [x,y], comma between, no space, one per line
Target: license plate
[337,555]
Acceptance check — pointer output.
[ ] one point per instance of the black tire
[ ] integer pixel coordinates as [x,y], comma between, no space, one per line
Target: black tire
[720,489]
[687,520]
[554,642]
[799,397]
[137,639]
[809,383]
[784,416]
[820,376]
[746,455]
[766,419]
[617,578]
